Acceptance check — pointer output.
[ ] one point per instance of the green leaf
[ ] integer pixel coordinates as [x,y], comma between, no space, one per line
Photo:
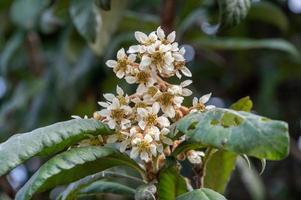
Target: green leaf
[247,44]
[238,131]
[186,146]
[243,104]
[60,8]
[74,188]
[12,45]
[26,13]
[275,17]
[102,186]
[171,184]
[73,165]
[201,194]
[219,169]
[232,12]
[85,18]
[47,140]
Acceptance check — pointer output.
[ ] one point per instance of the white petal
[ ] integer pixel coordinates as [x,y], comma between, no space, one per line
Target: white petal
[125,123]
[112,124]
[171,37]
[152,36]
[120,74]
[121,54]
[205,98]
[209,107]
[119,91]
[186,83]
[144,156]
[170,111]
[111,63]
[156,108]
[134,153]
[75,117]
[140,37]
[195,101]
[186,92]
[168,58]
[104,112]
[153,149]
[141,89]
[132,57]
[109,96]
[160,33]
[142,124]
[163,121]
[123,145]
[148,138]
[145,62]
[103,104]
[130,79]
[186,71]
[112,138]
[142,112]
[134,49]
[167,140]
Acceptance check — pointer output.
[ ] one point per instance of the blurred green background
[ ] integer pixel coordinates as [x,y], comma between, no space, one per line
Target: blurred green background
[52,55]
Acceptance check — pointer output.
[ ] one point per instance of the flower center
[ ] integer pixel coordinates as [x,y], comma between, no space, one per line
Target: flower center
[158,58]
[151,119]
[179,64]
[152,91]
[122,65]
[200,106]
[118,114]
[166,99]
[143,77]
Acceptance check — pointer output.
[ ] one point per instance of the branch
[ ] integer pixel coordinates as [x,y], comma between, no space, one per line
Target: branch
[168,15]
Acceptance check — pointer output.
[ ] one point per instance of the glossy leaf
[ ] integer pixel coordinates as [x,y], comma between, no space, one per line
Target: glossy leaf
[74,188]
[73,165]
[247,44]
[201,194]
[275,17]
[85,18]
[171,184]
[232,12]
[243,104]
[101,186]
[219,169]
[26,13]
[239,132]
[186,146]
[47,140]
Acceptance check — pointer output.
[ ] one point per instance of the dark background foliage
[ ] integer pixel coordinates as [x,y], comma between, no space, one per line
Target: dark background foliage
[52,66]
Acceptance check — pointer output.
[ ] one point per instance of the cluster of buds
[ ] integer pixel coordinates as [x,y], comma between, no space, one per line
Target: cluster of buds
[142,120]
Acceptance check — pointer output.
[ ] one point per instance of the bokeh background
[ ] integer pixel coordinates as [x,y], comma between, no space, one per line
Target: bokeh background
[52,66]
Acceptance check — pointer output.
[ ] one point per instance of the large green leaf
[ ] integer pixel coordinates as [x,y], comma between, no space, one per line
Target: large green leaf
[201,194]
[74,189]
[47,140]
[243,104]
[103,186]
[238,131]
[171,184]
[247,43]
[275,17]
[73,165]
[85,18]
[219,169]
[25,13]
[232,12]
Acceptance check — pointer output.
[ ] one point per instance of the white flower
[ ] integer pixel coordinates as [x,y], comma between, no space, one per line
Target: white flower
[161,35]
[143,147]
[148,117]
[122,137]
[169,102]
[123,64]
[180,89]
[116,114]
[179,64]
[199,104]
[195,157]
[144,78]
